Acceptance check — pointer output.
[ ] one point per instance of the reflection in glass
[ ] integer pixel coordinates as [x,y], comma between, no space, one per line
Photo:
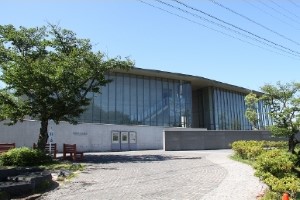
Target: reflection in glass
[141,100]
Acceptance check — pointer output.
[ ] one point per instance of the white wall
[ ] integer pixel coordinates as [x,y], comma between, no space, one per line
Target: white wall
[87,136]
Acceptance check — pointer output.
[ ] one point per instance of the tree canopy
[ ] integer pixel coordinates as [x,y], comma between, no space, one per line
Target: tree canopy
[283,103]
[48,73]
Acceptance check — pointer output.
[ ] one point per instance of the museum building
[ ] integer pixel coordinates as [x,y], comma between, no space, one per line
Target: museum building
[138,107]
[159,98]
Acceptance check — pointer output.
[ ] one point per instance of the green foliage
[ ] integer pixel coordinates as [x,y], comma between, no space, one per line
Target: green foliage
[276,168]
[56,165]
[13,108]
[274,165]
[275,144]
[239,159]
[288,183]
[248,149]
[48,73]
[65,165]
[24,157]
[52,68]
[282,103]
[271,195]
[251,101]
[251,149]
[277,162]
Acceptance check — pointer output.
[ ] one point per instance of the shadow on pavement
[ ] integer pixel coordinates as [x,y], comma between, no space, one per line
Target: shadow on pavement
[106,159]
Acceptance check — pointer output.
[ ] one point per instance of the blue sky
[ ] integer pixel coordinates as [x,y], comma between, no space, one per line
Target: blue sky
[156,39]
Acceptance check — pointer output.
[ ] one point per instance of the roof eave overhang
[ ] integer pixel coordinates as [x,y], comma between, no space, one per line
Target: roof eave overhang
[197,82]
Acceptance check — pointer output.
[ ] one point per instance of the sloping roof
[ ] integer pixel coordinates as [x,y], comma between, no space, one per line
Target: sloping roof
[197,82]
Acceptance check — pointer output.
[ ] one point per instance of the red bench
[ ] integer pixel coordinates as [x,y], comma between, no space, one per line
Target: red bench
[47,149]
[4,147]
[71,149]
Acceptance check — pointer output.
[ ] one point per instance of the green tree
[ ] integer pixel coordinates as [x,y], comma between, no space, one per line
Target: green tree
[283,103]
[48,73]
[251,101]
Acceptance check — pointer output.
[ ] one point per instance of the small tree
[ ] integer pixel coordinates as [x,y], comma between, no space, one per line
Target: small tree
[251,101]
[48,73]
[283,103]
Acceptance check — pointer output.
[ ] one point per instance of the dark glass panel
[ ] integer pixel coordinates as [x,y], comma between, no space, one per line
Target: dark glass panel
[153,103]
[96,108]
[147,106]
[172,103]
[104,103]
[166,95]
[188,104]
[159,103]
[126,99]
[232,122]
[133,100]
[119,99]
[216,108]
[140,99]
[112,100]
[177,102]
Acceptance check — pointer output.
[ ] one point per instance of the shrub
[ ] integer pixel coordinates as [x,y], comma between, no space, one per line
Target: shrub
[276,144]
[271,195]
[273,163]
[24,156]
[248,149]
[251,149]
[276,162]
[290,184]
[275,167]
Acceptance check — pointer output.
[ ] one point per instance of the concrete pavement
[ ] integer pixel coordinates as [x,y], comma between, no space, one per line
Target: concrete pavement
[161,175]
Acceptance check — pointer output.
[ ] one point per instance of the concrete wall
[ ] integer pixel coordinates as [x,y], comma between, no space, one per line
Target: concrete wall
[97,137]
[88,137]
[197,139]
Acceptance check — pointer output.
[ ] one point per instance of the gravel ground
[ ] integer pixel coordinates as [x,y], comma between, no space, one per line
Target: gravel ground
[204,175]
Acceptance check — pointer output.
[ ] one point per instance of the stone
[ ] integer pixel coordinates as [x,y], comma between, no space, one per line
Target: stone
[23,181]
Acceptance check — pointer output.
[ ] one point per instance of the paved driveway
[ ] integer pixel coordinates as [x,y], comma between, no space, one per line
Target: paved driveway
[160,175]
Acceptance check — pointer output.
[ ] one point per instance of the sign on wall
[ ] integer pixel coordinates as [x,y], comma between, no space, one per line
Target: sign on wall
[51,136]
[132,137]
[115,137]
[124,137]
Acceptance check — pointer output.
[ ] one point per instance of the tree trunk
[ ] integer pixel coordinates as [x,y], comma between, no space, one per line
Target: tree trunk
[292,143]
[43,137]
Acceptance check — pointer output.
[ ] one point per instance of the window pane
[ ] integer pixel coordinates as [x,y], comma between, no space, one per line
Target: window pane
[133,100]
[153,103]
[104,103]
[126,100]
[119,98]
[147,106]
[140,100]
[97,108]
[166,95]
[112,100]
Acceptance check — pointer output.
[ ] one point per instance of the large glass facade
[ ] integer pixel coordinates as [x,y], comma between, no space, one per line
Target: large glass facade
[219,109]
[229,111]
[141,100]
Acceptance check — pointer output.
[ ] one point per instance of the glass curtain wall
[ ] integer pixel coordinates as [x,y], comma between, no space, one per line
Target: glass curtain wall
[141,100]
[230,108]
